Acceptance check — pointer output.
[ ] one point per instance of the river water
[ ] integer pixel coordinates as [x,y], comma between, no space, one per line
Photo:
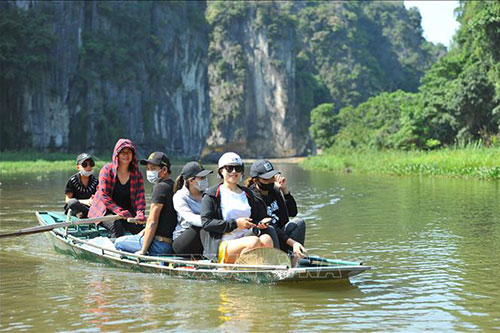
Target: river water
[433,243]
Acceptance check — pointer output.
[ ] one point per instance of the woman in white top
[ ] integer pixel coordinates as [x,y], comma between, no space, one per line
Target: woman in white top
[188,189]
[230,216]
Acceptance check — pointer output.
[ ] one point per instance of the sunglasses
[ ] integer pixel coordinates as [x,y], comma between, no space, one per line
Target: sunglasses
[88,162]
[231,168]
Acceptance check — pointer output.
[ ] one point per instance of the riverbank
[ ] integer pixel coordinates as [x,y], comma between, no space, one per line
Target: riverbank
[481,163]
[12,163]
[38,162]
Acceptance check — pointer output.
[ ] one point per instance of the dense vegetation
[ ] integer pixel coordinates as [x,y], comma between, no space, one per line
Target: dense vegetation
[457,102]
[344,52]
[468,162]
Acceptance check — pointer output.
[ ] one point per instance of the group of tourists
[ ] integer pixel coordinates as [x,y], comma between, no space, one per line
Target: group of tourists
[187,217]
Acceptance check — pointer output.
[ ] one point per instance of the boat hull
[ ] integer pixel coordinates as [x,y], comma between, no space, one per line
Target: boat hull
[65,242]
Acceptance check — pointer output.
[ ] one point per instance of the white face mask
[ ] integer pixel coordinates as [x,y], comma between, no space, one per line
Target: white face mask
[86,173]
[202,185]
[152,176]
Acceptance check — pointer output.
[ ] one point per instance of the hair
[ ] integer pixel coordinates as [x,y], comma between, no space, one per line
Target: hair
[169,169]
[250,181]
[180,182]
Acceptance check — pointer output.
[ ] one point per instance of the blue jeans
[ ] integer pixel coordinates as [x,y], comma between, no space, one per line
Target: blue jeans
[134,243]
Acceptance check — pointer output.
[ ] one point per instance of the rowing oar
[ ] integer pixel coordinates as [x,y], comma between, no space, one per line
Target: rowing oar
[43,228]
[331,261]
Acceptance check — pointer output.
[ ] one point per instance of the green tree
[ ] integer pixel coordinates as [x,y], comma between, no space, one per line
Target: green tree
[324,125]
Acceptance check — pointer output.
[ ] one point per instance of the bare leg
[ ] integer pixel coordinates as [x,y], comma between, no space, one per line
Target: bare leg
[266,241]
[236,246]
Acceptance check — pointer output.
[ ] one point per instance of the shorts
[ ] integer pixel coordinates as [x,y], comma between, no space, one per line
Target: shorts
[222,252]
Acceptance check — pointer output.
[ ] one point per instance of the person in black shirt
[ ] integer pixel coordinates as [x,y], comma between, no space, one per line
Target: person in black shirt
[156,238]
[270,190]
[81,187]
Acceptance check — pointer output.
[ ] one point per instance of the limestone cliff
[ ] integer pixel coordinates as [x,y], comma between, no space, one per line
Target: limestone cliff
[116,69]
[252,83]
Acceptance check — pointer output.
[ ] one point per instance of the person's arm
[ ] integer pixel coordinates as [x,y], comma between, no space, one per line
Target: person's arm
[69,196]
[298,249]
[291,205]
[151,226]
[282,235]
[184,211]
[140,202]
[209,219]
[106,188]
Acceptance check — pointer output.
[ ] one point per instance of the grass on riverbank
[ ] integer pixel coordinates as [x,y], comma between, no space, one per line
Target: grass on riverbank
[12,163]
[482,163]
[38,162]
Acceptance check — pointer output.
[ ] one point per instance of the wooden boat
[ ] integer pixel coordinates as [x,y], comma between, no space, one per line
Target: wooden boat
[79,241]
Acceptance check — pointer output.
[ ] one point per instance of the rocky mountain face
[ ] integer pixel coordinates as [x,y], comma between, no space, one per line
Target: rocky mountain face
[271,63]
[252,83]
[195,78]
[115,69]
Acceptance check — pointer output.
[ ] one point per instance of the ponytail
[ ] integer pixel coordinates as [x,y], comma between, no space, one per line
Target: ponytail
[179,182]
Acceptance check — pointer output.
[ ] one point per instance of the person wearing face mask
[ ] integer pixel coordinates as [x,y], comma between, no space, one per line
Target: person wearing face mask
[188,191]
[230,217]
[120,191]
[270,190]
[156,238]
[81,187]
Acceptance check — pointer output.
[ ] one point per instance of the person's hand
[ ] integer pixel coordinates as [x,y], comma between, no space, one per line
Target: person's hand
[90,200]
[140,219]
[280,183]
[299,250]
[140,252]
[244,223]
[264,223]
[124,213]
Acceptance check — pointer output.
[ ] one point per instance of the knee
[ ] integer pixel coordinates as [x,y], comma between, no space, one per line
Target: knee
[253,241]
[301,224]
[73,203]
[266,241]
[119,243]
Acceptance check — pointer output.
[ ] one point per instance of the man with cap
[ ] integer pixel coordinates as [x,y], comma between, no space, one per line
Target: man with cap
[188,191]
[81,187]
[156,238]
[270,190]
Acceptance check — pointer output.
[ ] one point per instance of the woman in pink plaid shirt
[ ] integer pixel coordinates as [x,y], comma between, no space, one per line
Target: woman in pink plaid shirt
[120,191]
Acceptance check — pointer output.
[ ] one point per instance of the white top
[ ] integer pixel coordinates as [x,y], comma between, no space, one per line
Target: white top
[233,206]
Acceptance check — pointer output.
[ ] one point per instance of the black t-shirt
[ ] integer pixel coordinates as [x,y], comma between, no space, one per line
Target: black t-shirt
[163,193]
[121,195]
[80,191]
[272,207]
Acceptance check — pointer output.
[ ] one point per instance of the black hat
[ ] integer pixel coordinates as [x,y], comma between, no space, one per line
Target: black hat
[262,169]
[157,158]
[194,169]
[83,157]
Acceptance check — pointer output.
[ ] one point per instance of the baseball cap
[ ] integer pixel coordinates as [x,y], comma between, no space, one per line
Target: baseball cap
[230,159]
[157,158]
[194,169]
[262,169]
[83,157]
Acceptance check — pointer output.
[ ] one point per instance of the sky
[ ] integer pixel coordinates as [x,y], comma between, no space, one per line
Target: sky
[438,20]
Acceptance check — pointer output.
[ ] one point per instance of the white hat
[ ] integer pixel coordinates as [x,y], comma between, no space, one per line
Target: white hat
[230,159]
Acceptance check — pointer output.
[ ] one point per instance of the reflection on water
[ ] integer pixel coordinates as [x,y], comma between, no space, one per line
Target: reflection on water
[432,242]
